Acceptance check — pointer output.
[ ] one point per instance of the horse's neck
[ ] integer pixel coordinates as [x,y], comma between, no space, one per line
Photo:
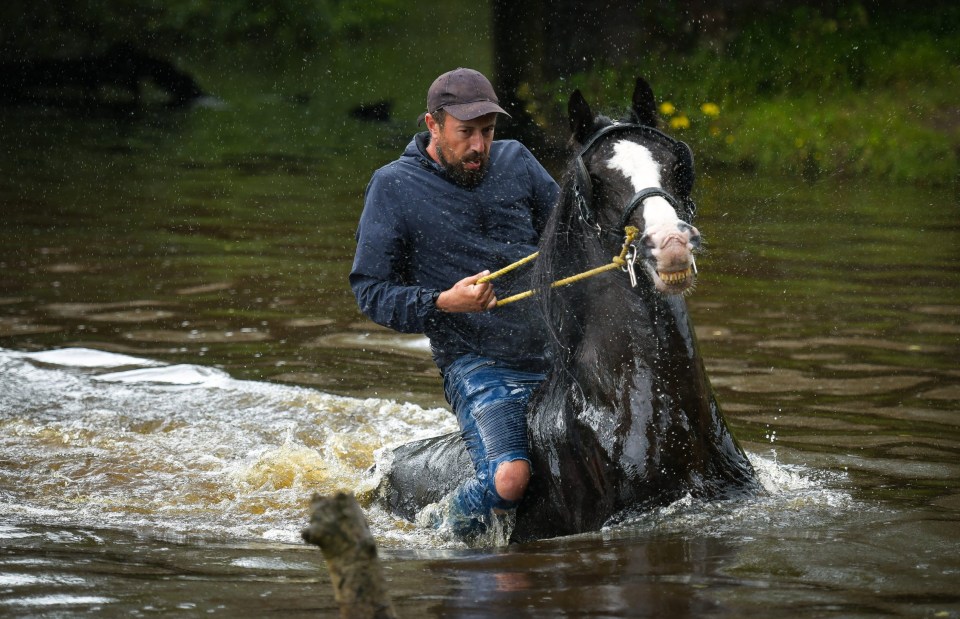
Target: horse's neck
[608,330]
[623,334]
[614,331]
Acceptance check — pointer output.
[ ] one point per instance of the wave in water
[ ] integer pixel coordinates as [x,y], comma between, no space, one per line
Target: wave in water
[94,438]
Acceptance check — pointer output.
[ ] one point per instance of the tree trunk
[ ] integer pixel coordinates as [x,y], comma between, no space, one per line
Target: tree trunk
[538,42]
[517,48]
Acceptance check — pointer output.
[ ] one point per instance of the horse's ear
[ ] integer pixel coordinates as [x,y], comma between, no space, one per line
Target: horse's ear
[644,105]
[581,118]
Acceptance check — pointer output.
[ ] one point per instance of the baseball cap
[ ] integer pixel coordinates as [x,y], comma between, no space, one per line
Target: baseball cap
[464,93]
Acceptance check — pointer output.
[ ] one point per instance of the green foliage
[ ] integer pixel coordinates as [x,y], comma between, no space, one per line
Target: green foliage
[844,136]
[797,92]
[864,89]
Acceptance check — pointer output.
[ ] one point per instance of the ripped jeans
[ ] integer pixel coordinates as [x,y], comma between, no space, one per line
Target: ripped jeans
[490,402]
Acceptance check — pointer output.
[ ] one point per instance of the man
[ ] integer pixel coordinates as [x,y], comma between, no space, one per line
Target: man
[454,204]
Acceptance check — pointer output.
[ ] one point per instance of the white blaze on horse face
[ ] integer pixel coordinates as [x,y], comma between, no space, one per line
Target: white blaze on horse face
[669,243]
[637,164]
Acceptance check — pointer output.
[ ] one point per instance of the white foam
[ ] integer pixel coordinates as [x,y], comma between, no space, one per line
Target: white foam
[420,343]
[777,478]
[84,358]
[12,532]
[270,563]
[58,600]
[793,497]
[185,449]
[20,580]
[182,374]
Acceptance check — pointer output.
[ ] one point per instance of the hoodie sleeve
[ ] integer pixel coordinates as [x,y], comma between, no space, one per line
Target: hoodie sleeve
[379,277]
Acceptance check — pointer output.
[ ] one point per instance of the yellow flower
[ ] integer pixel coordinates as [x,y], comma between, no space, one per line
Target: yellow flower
[710,109]
[667,109]
[680,122]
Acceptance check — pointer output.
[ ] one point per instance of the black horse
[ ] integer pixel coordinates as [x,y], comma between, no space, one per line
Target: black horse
[626,420]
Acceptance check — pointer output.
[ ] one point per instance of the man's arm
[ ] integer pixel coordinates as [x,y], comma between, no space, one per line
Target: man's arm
[409,308]
[380,279]
[406,309]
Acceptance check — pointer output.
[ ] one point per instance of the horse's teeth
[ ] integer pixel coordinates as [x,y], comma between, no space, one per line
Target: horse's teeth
[675,277]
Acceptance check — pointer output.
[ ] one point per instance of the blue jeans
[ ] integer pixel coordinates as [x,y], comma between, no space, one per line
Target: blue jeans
[490,402]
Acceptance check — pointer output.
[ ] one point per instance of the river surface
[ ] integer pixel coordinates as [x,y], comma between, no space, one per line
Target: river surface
[182,365]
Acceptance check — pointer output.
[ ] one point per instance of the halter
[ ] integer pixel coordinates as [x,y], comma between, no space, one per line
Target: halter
[583,194]
[583,185]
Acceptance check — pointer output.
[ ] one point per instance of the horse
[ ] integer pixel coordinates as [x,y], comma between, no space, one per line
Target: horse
[626,420]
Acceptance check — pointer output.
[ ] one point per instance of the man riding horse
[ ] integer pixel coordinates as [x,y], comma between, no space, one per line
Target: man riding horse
[453,203]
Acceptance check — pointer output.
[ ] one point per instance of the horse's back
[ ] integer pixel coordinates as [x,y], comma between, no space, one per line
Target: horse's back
[423,472]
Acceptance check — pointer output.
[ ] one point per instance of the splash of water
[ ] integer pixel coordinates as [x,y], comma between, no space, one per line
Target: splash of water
[94,438]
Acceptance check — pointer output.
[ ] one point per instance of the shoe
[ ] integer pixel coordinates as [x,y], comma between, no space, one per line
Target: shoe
[430,517]
[448,515]
[465,527]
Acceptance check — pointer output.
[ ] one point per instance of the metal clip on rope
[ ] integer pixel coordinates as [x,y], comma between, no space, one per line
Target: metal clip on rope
[630,265]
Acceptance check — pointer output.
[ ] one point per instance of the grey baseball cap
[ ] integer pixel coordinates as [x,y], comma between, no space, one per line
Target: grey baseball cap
[464,93]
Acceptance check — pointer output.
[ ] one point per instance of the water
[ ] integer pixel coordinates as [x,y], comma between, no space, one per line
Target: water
[182,366]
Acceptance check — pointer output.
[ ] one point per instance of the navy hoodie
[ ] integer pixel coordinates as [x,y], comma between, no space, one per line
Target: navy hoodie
[420,233]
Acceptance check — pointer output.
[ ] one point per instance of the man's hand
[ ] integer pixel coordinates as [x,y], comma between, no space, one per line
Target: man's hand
[468,296]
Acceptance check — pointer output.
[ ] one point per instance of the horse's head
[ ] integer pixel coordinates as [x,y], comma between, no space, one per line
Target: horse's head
[630,174]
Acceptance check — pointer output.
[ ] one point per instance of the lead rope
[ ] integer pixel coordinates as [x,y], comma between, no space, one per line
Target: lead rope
[621,261]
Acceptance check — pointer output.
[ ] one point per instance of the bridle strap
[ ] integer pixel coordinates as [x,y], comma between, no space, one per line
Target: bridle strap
[583,185]
[637,201]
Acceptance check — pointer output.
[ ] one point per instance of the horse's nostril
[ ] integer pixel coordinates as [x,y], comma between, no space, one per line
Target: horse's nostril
[691,231]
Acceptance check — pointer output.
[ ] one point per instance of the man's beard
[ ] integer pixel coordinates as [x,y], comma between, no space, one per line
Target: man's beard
[461,175]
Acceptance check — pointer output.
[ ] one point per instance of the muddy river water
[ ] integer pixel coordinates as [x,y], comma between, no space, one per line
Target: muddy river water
[182,366]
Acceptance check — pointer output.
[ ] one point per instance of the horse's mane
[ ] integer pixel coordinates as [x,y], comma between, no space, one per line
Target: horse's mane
[568,246]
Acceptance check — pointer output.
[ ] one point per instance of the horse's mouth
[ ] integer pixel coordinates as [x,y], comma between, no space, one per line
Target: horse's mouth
[676,277]
[668,250]
[673,282]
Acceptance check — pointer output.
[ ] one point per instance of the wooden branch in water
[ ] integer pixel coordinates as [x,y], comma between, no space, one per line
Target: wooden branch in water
[338,527]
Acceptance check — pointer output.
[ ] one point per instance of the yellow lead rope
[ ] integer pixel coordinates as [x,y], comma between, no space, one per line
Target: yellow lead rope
[508,268]
[618,261]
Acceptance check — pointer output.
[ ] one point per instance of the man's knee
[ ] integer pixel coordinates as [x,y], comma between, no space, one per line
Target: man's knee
[511,479]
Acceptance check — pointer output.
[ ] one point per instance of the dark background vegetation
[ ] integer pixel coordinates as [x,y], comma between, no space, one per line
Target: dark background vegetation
[801,88]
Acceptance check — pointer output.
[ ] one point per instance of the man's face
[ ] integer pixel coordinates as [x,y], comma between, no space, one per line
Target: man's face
[463,146]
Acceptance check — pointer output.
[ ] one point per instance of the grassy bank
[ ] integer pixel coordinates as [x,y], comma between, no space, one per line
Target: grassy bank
[871,90]
[796,93]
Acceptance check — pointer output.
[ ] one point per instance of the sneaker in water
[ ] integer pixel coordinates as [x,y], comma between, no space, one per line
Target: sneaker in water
[430,517]
[448,515]
[462,525]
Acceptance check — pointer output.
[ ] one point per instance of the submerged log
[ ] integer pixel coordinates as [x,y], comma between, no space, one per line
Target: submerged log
[116,76]
[338,527]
